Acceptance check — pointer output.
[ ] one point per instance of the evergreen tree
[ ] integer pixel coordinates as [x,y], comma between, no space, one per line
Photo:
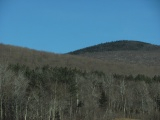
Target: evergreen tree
[57,116]
[103,100]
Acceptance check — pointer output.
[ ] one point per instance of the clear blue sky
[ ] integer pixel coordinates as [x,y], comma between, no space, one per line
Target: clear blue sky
[61,26]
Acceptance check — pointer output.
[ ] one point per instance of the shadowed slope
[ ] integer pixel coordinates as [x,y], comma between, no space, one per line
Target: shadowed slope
[131,52]
[123,45]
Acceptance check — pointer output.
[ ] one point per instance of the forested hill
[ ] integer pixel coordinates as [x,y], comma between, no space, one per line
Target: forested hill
[37,85]
[110,64]
[122,45]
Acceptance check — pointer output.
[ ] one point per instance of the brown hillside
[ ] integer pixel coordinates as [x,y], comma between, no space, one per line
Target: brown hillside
[147,58]
[133,53]
[33,58]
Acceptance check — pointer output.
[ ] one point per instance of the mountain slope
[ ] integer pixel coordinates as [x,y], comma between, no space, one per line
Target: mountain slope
[12,54]
[32,90]
[123,45]
[130,52]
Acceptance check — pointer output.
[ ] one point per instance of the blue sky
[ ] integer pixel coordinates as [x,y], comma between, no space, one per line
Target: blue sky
[61,26]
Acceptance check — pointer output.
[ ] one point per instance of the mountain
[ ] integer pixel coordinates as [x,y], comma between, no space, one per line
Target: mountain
[123,45]
[38,85]
[130,52]
[107,63]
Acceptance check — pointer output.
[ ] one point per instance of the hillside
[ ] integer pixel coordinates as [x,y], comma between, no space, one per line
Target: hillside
[13,54]
[122,45]
[33,58]
[131,52]
[37,85]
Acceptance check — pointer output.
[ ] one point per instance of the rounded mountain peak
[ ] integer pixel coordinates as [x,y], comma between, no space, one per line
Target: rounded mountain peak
[121,45]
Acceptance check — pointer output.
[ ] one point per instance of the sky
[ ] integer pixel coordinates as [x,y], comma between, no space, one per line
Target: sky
[61,26]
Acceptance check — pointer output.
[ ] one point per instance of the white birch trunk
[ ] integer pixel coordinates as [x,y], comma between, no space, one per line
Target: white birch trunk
[26,109]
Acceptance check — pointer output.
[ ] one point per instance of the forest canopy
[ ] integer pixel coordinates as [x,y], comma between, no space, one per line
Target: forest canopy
[62,93]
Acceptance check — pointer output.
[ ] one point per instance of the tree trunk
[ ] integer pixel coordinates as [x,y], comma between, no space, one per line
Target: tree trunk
[1,109]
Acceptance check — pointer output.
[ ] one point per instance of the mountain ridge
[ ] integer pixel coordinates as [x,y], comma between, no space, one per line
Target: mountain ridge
[120,45]
[12,55]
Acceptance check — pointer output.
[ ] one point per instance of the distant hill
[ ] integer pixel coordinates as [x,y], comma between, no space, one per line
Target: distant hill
[107,61]
[38,85]
[123,45]
[128,52]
